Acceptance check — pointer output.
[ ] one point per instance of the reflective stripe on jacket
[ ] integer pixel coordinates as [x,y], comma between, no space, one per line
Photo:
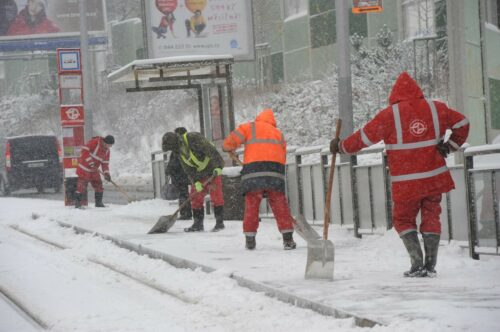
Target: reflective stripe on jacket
[411,129]
[93,155]
[265,153]
[199,157]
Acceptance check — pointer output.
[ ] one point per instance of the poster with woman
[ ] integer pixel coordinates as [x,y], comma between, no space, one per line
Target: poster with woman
[21,19]
[216,117]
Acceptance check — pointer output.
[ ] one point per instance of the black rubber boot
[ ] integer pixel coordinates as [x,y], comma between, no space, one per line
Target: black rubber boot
[250,242]
[186,213]
[78,200]
[98,200]
[288,242]
[219,218]
[412,245]
[431,245]
[197,226]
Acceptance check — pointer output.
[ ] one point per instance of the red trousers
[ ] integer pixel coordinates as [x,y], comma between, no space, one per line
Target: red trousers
[215,189]
[93,178]
[279,205]
[404,215]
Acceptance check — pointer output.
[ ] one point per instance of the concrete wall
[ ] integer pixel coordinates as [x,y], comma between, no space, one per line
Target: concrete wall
[492,41]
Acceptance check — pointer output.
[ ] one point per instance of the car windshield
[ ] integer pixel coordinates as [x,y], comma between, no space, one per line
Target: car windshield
[33,148]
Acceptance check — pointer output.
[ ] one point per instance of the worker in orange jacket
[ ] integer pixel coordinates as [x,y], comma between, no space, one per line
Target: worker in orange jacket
[263,173]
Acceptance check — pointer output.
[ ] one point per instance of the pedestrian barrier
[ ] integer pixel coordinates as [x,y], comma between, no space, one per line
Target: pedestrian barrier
[158,161]
[361,199]
[482,163]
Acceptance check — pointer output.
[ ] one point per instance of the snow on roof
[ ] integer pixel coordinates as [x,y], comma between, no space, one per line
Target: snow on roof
[125,73]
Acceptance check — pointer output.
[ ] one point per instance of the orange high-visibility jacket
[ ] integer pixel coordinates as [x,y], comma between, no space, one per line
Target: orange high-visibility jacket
[265,153]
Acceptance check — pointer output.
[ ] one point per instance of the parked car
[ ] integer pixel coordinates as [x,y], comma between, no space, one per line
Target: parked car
[30,162]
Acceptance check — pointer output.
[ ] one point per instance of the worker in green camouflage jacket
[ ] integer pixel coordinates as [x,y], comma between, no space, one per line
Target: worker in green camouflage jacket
[200,161]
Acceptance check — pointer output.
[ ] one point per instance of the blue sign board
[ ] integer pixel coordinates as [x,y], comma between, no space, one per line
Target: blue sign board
[47,44]
[69,60]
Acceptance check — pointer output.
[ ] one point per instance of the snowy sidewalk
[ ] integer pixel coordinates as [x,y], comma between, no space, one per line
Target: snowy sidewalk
[368,278]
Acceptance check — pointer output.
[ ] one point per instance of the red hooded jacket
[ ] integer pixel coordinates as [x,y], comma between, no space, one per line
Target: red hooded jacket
[93,155]
[411,128]
[22,26]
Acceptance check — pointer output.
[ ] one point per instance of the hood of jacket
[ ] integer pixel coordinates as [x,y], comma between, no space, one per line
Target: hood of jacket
[405,88]
[267,116]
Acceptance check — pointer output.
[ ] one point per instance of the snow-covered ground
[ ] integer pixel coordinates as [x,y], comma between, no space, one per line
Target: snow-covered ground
[70,289]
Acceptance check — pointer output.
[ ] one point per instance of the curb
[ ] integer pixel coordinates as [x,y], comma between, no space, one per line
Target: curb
[243,282]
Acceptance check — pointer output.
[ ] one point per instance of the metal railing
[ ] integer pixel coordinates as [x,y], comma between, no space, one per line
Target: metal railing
[361,198]
[158,159]
[483,197]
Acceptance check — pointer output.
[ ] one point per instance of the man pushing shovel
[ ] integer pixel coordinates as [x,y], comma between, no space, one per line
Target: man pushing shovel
[203,165]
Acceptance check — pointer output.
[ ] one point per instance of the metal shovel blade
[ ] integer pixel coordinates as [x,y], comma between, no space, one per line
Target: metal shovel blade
[320,256]
[305,230]
[163,224]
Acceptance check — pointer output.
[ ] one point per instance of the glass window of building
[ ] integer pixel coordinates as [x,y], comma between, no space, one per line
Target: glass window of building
[419,18]
[295,7]
[493,12]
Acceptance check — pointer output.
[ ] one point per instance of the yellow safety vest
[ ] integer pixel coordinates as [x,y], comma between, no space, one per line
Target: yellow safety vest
[192,161]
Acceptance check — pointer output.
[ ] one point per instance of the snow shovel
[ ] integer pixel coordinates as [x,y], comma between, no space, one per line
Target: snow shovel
[120,189]
[304,229]
[320,253]
[164,223]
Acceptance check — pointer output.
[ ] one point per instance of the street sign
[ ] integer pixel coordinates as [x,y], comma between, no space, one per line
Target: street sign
[69,60]
[366,6]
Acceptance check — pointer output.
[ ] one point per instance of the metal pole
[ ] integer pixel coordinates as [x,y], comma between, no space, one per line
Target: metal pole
[86,69]
[344,64]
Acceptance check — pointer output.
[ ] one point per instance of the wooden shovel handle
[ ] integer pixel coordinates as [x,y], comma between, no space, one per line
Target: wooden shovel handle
[326,221]
[206,183]
[120,189]
[235,158]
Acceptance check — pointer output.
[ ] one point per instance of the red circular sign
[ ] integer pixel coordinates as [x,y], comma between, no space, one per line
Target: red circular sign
[165,6]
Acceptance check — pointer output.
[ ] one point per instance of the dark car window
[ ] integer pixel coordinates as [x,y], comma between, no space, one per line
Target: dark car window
[33,148]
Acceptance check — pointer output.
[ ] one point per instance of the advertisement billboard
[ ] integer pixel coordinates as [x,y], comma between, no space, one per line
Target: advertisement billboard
[199,27]
[23,21]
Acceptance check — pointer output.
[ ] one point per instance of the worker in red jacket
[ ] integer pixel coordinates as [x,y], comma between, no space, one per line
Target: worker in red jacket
[413,129]
[94,154]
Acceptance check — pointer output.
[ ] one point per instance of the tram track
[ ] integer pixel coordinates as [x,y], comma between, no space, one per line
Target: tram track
[22,309]
[143,281]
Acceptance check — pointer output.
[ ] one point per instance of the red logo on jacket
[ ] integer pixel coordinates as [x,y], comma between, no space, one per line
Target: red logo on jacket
[418,128]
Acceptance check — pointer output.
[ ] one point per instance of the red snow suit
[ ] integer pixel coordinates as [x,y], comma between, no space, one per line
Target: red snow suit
[93,155]
[411,128]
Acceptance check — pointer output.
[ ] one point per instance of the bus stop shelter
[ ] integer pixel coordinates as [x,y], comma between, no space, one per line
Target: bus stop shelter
[210,76]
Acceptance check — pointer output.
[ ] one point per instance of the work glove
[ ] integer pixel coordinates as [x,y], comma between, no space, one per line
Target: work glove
[444,149]
[107,177]
[217,171]
[334,146]
[198,186]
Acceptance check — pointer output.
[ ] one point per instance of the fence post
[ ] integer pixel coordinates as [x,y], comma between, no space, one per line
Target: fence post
[387,187]
[496,213]
[471,205]
[153,171]
[353,161]
[298,161]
